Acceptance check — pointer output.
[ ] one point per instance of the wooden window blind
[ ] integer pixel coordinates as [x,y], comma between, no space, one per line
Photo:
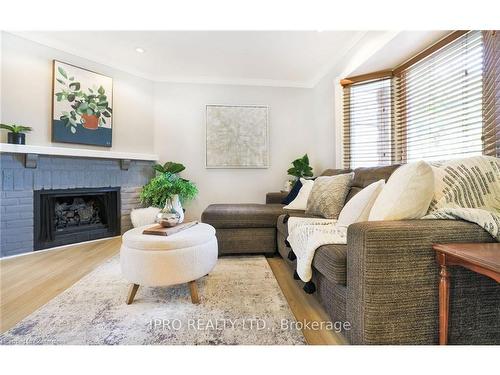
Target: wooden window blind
[491,93]
[367,124]
[438,103]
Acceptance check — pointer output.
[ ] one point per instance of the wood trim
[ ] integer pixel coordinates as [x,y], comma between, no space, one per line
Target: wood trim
[491,87]
[346,127]
[426,52]
[366,77]
[400,68]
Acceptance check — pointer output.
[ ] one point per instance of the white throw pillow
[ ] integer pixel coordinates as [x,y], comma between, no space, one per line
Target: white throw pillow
[300,201]
[406,195]
[358,208]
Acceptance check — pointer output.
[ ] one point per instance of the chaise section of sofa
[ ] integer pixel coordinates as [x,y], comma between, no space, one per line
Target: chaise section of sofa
[244,228]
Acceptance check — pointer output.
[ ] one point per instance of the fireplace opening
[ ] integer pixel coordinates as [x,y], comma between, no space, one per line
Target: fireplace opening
[77,212]
[75,215]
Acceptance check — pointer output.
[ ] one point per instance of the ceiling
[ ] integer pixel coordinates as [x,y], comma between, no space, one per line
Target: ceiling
[400,49]
[262,58]
[269,58]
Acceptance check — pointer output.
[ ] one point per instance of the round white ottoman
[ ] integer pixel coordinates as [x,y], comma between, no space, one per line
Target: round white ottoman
[183,257]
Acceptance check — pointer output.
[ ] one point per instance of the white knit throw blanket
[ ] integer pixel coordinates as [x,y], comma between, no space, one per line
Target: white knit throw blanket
[465,189]
[305,235]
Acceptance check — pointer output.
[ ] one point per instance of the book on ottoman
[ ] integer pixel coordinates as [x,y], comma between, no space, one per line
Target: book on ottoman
[158,230]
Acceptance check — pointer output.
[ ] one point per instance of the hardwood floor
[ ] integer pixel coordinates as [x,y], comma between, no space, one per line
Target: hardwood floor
[28,282]
[304,306]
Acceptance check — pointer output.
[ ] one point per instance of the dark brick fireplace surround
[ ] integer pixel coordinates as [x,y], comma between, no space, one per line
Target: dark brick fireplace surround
[19,183]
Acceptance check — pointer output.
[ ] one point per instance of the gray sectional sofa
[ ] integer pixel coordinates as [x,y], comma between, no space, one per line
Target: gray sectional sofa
[384,281]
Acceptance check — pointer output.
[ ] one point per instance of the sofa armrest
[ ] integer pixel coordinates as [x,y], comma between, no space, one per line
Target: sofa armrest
[392,284]
[275,197]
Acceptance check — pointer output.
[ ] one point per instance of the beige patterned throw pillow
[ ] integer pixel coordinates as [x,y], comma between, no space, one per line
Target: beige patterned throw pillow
[328,195]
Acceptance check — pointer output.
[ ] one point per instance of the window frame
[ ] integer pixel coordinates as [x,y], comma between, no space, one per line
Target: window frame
[491,116]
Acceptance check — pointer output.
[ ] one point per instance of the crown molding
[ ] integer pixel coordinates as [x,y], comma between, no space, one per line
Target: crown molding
[235,81]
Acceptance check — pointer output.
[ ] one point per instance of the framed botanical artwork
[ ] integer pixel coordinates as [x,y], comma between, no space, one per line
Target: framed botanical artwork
[82,106]
[237,136]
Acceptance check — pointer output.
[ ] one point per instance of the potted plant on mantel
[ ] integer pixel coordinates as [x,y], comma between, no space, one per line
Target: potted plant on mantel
[16,134]
[168,190]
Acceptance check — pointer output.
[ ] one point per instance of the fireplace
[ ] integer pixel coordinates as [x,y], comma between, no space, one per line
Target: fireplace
[68,216]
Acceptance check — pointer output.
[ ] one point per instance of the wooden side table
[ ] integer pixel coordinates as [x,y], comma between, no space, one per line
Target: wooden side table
[483,258]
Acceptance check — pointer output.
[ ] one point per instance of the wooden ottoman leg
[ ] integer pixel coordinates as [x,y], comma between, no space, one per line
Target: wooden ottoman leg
[194,292]
[131,293]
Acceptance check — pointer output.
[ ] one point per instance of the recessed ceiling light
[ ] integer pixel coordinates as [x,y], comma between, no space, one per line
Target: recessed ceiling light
[139,50]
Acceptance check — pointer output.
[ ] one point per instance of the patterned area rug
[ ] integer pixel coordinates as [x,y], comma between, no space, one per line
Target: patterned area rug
[241,303]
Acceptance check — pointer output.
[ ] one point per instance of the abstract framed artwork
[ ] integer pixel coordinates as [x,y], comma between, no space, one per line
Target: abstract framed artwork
[82,106]
[237,136]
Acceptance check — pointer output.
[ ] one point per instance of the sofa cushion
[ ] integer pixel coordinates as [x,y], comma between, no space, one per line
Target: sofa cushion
[359,207]
[406,195]
[293,193]
[366,176]
[328,195]
[300,201]
[246,215]
[331,262]
[334,172]
[275,197]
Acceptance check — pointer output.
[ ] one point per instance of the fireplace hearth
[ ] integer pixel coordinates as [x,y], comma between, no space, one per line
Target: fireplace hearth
[75,215]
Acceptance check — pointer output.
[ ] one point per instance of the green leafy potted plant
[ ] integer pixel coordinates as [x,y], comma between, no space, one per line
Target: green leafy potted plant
[169,167]
[90,109]
[167,189]
[300,169]
[17,133]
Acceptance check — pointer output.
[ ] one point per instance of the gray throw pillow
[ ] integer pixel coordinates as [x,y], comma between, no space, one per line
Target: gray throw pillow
[328,195]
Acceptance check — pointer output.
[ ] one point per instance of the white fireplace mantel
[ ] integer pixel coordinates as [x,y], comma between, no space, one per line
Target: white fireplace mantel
[74,152]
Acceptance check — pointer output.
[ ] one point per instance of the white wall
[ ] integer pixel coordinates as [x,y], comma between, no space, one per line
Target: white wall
[180,136]
[324,113]
[327,93]
[169,120]
[26,94]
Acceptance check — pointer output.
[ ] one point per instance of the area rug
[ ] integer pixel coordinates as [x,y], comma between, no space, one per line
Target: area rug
[241,303]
